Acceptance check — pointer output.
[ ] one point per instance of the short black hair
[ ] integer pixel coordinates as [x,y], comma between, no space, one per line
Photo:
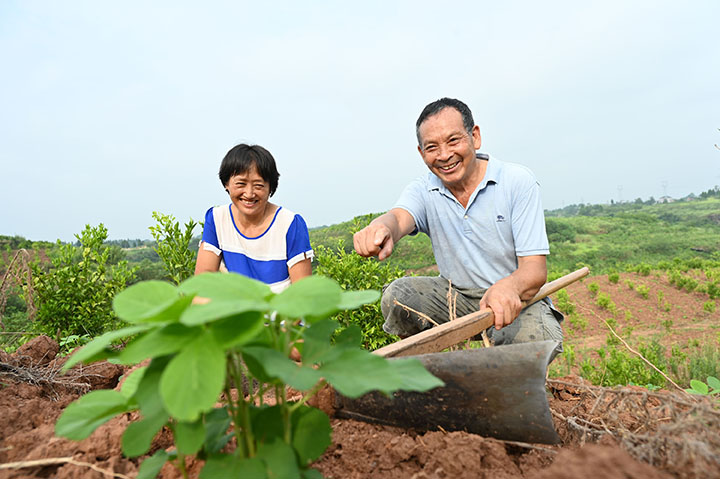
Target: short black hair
[242,157]
[437,106]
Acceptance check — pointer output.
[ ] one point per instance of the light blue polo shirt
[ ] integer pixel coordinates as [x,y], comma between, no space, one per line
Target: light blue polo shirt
[479,245]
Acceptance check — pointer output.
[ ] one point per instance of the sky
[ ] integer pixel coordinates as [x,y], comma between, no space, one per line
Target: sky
[112,110]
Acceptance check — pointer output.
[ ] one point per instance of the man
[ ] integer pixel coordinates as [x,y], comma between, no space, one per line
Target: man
[486,223]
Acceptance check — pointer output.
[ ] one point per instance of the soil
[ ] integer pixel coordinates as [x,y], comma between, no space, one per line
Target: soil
[607,433]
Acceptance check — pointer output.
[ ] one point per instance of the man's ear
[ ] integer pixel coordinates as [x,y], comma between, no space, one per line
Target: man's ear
[477,140]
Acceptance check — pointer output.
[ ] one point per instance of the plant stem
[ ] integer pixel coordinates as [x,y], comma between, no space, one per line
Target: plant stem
[234,413]
[321,384]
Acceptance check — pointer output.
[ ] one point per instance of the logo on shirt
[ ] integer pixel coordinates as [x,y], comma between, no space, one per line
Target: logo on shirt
[500,218]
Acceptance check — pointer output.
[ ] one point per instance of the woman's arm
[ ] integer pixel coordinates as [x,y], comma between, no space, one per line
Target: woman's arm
[207,261]
[300,270]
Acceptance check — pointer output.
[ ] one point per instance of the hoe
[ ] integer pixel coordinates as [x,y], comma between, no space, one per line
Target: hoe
[494,391]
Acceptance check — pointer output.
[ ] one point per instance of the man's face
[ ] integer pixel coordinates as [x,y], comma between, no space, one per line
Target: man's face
[447,148]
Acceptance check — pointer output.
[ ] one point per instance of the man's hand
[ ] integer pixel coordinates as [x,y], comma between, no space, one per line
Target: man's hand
[504,300]
[374,240]
[506,296]
[379,237]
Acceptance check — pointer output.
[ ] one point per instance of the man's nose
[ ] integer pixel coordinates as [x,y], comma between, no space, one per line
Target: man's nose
[444,152]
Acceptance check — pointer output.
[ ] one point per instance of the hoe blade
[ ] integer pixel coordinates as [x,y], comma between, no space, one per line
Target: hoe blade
[495,392]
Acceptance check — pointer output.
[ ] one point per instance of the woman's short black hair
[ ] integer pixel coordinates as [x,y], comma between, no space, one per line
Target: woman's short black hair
[242,157]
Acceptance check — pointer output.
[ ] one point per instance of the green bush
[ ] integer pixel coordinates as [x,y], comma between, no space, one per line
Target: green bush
[173,246]
[352,271]
[74,295]
[244,335]
[593,288]
[563,302]
[709,306]
[603,300]
[643,291]
[614,278]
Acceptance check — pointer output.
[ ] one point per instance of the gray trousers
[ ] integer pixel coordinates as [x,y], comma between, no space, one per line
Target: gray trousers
[429,295]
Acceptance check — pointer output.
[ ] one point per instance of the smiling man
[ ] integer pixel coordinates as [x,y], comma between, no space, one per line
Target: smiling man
[485,220]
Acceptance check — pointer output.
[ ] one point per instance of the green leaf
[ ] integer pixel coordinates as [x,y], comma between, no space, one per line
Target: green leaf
[138,436]
[217,423]
[224,286]
[314,296]
[194,378]
[713,382]
[356,372]
[279,459]
[267,423]
[130,385]
[159,342]
[225,466]
[311,474]
[355,299]
[699,387]
[145,301]
[237,330]
[84,415]
[269,363]
[317,346]
[98,344]
[189,436]
[350,337]
[311,433]
[150,467]
[147,395]
[219,309]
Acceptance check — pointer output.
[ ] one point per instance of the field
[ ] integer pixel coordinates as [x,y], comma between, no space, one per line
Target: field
[637,331]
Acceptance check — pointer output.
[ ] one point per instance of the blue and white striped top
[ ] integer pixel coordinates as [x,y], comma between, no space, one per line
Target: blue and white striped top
[267,257]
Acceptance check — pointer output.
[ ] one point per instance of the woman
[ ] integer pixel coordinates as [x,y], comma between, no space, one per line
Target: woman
[252,236]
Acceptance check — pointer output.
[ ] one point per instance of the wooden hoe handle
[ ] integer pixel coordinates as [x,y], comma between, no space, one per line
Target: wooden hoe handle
[448,334]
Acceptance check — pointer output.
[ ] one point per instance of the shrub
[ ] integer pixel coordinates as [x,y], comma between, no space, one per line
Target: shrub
[173,246]
[244,335]
[577,321]
[629,284]
[643,291]
[352,271]
[563,302]
[643,269]
[74,295]
[709,306]
[614,278]
[603,300]
[593,288]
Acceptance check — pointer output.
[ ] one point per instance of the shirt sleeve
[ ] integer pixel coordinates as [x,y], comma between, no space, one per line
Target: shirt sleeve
[298,242]
[528,221]
[209,238]
[412,200]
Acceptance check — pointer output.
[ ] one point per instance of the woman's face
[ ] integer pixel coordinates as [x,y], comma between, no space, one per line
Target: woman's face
[249,192]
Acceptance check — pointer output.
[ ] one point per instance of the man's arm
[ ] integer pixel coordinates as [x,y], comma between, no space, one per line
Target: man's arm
[379,237]
[505,296]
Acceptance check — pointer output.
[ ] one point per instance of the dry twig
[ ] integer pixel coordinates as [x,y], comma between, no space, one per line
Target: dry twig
[667,378]
[422,315]
[53,461]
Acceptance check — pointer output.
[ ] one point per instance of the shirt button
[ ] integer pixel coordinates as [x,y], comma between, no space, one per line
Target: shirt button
[465,216]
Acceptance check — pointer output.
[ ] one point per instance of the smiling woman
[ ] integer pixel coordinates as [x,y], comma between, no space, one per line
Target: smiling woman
[252,236]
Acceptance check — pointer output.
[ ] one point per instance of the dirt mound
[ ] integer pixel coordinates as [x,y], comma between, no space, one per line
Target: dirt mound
[607,433]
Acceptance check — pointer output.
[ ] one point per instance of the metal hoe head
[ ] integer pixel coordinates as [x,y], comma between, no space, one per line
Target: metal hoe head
[495,392]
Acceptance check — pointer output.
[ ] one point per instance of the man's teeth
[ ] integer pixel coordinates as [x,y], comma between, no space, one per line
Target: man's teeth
[449,167]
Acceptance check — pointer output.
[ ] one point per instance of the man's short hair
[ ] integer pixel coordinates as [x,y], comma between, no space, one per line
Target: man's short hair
[242,157]
[437,106]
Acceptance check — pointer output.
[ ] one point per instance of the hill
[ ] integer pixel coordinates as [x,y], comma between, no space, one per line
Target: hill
[603,237]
